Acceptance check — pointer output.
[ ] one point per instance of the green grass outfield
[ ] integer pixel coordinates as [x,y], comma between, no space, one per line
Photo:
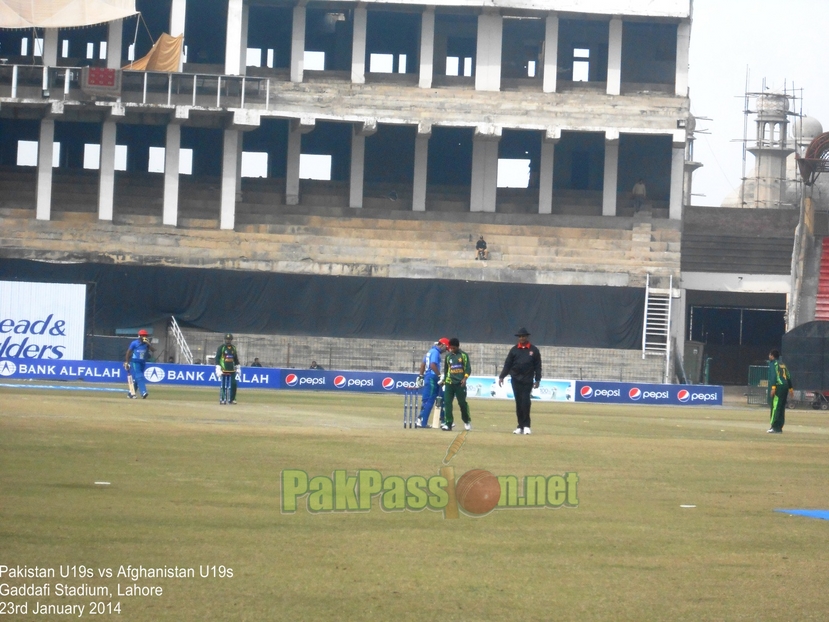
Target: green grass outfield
[196,484]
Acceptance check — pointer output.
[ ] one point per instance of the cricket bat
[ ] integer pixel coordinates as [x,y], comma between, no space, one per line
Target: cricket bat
[434,417]
[130,384]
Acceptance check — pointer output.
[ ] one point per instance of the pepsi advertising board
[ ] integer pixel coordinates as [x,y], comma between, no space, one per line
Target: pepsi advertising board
[362,381]
[652,394]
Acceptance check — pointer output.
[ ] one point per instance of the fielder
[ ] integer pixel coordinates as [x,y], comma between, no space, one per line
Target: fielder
[456,369]
[136,362]
[780,385]
[228,369]
[428,379]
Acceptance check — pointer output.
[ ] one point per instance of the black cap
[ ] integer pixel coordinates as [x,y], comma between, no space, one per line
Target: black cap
[521,332]
[229,336]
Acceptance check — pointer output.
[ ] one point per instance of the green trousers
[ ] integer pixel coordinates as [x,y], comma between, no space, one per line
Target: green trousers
[778,410]
[451,391]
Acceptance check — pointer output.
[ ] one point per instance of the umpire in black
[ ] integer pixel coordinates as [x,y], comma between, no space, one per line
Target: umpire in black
[523,364]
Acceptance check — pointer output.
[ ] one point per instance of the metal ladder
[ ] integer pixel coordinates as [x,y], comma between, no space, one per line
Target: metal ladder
[656,335]
[182,343]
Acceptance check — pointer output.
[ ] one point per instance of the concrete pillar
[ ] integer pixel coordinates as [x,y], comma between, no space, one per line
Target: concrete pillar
[551,54]
[295,132]
[545,174]
[611,173]
[677,177]
[358,163]
[234,53]
[178,15]
[683,45]
[50,47]
[484,184]
[421,166]
[614,57]
[298,43]
[45,153]
[358,47]
[106,171]
[292,169]
[231,156]
[115,40]
[172,155]
[427,48]
[488,54]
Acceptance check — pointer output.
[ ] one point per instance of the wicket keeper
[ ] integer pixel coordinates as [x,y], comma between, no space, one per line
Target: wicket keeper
[136,362]
[228,368]
[428,379]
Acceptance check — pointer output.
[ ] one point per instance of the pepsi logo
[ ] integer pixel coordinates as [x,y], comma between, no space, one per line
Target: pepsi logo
[291,380]
[586,391]
[635,393]
[339,382]
[388,384]
[684,395]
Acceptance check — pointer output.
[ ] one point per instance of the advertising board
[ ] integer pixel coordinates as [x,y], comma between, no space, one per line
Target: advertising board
[41,321]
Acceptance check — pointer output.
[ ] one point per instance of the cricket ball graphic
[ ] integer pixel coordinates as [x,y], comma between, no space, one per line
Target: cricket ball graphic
[478,492]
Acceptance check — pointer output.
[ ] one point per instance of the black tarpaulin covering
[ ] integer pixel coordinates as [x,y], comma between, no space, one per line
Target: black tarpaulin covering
[355,307]
[805,351]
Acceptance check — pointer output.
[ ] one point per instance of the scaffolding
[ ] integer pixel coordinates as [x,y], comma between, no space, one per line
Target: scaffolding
[790,183]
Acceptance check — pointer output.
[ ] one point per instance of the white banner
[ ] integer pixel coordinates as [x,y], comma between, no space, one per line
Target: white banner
[41,321]
[549,390]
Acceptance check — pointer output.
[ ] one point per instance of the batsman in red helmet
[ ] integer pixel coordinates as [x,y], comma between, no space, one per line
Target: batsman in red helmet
[136,361]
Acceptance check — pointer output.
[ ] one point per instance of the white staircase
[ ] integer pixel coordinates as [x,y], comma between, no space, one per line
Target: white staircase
[656,339]
[186,353]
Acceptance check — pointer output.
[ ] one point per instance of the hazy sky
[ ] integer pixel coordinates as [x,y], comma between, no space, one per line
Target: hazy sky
[776,40]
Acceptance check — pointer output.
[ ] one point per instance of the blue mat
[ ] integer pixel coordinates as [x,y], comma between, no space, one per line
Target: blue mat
[60,388]
[823,514]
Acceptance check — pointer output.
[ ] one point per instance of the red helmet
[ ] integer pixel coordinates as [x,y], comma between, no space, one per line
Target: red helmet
[443,341]
[143,333]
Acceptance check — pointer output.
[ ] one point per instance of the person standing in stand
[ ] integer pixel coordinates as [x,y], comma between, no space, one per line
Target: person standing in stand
[227,367]
[523,364]
[135,363]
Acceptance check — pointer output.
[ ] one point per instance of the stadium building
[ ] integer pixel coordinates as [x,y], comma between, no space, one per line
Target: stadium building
[313,176]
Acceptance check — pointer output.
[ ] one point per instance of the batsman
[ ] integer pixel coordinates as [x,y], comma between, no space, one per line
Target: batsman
[135,362]
[228,370]
[428,379]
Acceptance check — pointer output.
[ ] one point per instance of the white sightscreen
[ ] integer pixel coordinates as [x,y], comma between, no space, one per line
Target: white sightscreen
[42,321]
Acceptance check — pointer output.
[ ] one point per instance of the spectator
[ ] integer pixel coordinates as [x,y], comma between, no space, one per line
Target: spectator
[639,193]
[256,363]
[481,251]
[315,365]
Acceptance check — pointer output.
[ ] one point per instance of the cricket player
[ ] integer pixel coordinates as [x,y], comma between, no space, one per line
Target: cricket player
[780,383]
[228,369]
[428,379]
[135,363]
[456,370]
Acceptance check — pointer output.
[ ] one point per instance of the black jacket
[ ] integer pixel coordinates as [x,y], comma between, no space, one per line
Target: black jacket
[523,365]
